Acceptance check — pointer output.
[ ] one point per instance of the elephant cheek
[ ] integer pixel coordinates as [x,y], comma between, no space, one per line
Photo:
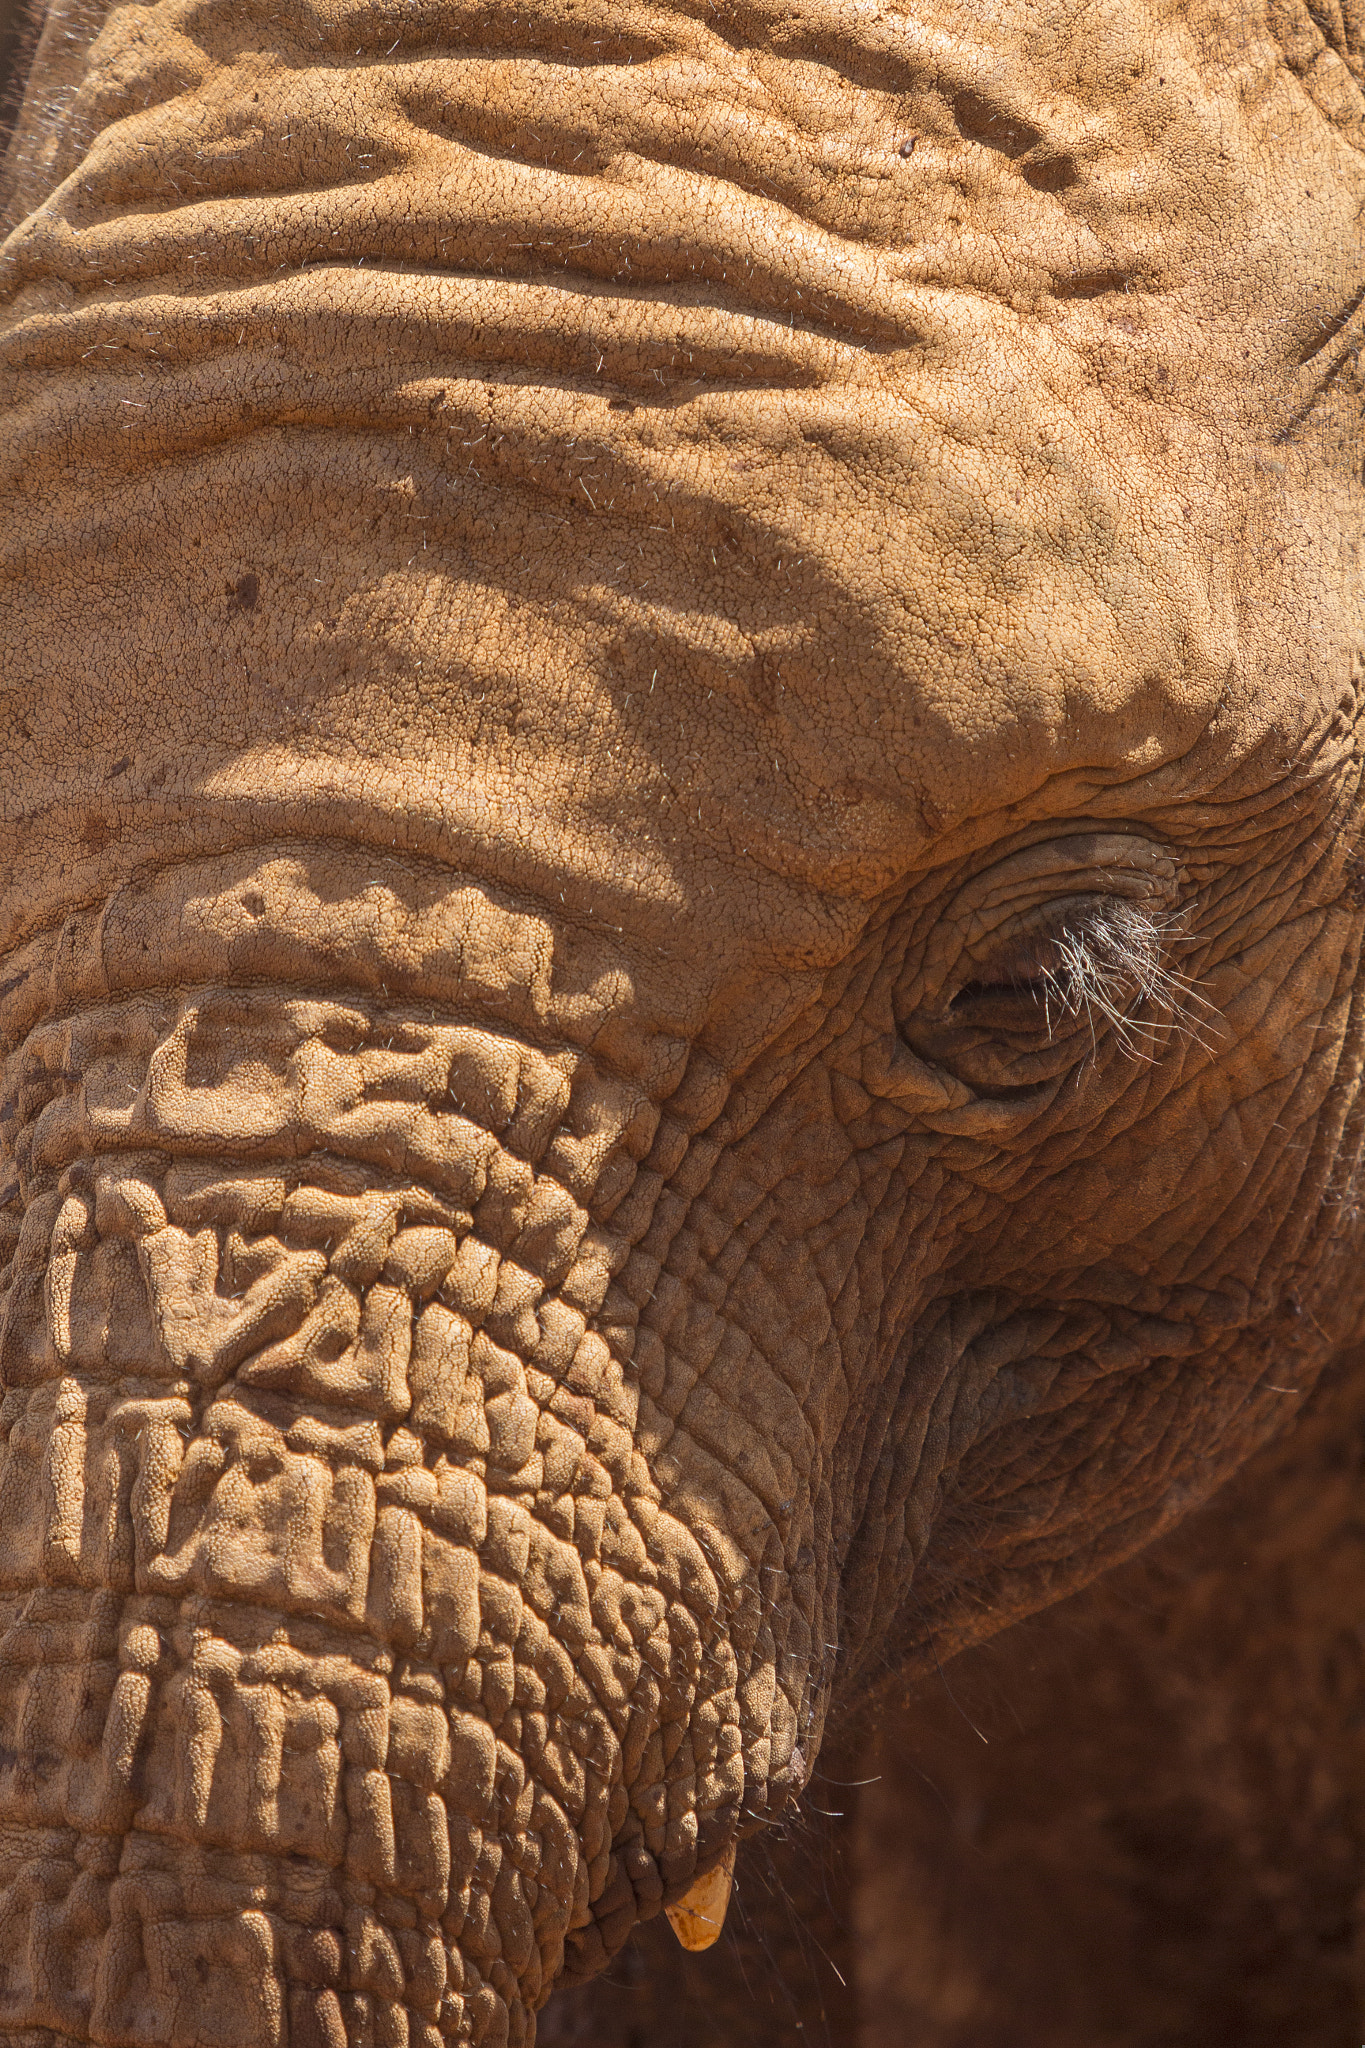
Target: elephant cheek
[344,1683]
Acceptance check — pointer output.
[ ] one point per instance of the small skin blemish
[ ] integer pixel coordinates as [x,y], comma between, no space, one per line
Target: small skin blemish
[96,833]
[243,593]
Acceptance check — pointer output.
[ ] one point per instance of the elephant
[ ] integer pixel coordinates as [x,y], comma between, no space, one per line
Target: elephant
[681,922]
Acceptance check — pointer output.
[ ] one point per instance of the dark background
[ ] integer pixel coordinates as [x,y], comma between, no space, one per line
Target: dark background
[18,33]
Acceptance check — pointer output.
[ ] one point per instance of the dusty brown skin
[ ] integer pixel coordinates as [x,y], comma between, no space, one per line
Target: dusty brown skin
[600,601]
[1132,1818]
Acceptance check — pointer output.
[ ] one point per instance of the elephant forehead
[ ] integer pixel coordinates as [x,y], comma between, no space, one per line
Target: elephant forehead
[784,180]
[692,449]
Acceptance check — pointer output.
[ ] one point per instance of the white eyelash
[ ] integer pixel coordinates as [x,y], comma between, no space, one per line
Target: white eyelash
[1112,965]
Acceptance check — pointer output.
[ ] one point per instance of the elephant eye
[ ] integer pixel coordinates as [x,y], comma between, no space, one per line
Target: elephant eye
[1094,967]
[1016,1002]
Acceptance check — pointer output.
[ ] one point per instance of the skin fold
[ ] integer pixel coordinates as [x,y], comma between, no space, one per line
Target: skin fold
[681,928]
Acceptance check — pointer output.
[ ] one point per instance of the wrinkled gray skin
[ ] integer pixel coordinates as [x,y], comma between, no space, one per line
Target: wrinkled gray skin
[681,924]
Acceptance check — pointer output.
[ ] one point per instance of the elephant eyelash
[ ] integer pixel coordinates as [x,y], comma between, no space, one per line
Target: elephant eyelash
[1112,963]
[1101,969]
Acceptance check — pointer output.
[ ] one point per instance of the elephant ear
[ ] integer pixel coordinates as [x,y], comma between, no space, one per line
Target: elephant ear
[1324,46]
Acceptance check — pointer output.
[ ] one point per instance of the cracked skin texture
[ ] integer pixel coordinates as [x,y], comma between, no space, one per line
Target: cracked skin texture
[592,593]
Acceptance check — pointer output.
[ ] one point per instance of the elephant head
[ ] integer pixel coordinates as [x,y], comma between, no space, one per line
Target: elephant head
[680,931]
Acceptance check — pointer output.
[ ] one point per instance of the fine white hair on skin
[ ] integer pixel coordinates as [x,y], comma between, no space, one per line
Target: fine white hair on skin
[1111,965]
